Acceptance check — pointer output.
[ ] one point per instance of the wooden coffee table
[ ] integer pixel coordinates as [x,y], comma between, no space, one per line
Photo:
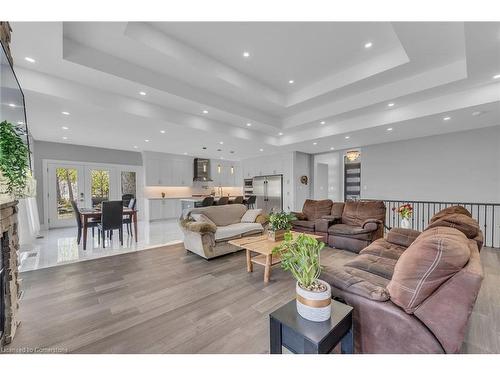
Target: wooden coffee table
[264,248]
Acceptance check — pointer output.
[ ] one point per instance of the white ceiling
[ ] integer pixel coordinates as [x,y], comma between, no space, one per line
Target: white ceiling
[95,71]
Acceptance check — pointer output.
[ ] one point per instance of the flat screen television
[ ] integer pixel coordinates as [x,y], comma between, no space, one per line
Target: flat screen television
[12,105]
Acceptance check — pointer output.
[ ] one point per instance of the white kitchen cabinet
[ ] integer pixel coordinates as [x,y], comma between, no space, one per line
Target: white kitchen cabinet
[167,169]
[161,209]
[152,172]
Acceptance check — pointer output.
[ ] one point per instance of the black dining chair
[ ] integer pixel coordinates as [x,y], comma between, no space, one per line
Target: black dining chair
[251,201]
[126,198]
[90,224]
[238,200]
[111,219]
[127,220]
[207,201]
[222,201]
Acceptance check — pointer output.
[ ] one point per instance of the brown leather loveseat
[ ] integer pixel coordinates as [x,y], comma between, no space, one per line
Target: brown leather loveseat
[413,292]
[312,213]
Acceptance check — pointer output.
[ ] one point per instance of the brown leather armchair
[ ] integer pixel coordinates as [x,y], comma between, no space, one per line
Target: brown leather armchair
[360,223]
[312,212]
[413,292]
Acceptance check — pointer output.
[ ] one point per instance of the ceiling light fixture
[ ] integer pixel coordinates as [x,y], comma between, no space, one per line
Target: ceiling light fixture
[142,93]
[162,131]
[280,133]
[146,140]
[389,129]
[352,155]
[476,113]
[30,59]
[249,124]
[315,143]
[65,113]
[64,128]
[446,118]
[291,82]
[496,76]
[136,147]
[390,105]
[221,143]
[12,105]
[322,122]
[64,138]
[347,137]
[205,111]
[368,45]
[261,149]
[332,148]
[246,54]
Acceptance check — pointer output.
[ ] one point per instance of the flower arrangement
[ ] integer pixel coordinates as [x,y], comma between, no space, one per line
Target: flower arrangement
[405,211]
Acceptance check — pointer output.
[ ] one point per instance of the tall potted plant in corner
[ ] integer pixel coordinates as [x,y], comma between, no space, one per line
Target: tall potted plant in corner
[279,223]
[301,256]
[14,165]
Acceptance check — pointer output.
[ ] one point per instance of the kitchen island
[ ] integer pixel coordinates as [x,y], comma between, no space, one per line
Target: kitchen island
[187,203]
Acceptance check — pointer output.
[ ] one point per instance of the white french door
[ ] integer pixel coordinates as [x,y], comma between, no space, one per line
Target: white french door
[87,184]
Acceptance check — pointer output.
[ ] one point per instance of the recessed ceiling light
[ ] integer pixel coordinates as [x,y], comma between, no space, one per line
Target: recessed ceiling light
[64,138]
[315,143]
[64,128]
[261,149]
[162,131]
[246,54]
[446,118]
[221,142]
[476,113]
[146,140]
[390,105]
[322,122]
[368,45]
[205,111]
[30,59]
[389,129]
[291,82]
[249,124]
[332,148]
[12,105]
[496,76]
[347,137]
[65,113]
[142,93]
[136,147]
[280,133]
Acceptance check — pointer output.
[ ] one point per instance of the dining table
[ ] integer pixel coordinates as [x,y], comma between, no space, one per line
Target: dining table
[87,214]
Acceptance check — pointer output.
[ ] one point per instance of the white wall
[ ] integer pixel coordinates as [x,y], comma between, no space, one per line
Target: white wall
[335,171]
[302,167]
[462,166]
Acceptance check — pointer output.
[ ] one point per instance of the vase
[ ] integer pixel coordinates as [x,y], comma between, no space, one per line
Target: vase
[276,235]
[405,223]
[314,306]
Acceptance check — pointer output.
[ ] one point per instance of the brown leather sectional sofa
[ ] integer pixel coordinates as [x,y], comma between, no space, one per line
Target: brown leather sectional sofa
[349,226]
[413,292]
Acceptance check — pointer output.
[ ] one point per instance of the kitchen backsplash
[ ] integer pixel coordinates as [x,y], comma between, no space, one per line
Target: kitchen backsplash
[182,192]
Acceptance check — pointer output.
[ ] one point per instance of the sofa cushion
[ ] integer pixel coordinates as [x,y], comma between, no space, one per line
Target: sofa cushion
[350,231]
[303,224]
[402,236]
[337,209]
[384,248]
[383,267]
[315,209]
[237,230]
[200,218]
[222,215]
[449,211]
[355,213]
[435,256]
[251,215]
[465,224]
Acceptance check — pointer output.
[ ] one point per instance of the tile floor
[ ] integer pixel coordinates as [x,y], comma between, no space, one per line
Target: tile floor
[58,246]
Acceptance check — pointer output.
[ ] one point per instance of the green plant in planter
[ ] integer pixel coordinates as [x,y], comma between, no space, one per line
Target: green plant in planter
[14,165]
[301,256]
[281,221]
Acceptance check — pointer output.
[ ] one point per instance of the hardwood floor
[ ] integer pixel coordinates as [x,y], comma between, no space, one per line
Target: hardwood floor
[166,300]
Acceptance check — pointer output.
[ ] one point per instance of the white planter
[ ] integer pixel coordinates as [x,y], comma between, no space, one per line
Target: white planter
[314,306]
[405,223]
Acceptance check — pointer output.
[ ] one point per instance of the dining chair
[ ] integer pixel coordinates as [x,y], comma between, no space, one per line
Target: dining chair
[251,201]
[238,200]
[90,224]
[127,220]
[111,219]
[207,201]
[222,201]
[126,198]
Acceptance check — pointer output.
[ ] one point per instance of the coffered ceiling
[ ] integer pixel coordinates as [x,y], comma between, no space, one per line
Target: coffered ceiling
[251,86]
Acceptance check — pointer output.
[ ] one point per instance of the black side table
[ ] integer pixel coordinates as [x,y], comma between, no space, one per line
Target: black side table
[289,329]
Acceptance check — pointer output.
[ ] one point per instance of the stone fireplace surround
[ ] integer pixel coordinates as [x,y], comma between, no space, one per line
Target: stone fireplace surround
[9,245]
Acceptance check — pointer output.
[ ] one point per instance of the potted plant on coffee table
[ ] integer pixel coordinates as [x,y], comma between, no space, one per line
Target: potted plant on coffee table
[301,256]
[279,223]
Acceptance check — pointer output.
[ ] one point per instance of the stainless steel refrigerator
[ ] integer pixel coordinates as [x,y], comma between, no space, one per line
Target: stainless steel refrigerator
[269,193]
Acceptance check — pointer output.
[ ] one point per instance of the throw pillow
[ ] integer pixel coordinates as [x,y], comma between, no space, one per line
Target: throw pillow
[251,215]
[200,218]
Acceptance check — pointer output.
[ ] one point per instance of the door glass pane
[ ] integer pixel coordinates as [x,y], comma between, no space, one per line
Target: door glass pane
[66,191]
[128,186]
[99,187]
